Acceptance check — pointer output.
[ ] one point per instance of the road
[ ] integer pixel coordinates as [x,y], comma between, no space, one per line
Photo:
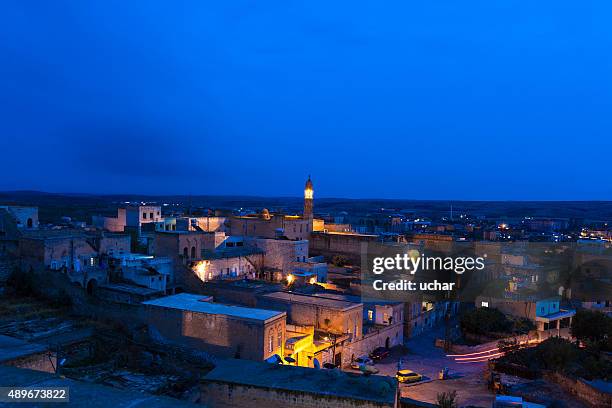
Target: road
[467,378]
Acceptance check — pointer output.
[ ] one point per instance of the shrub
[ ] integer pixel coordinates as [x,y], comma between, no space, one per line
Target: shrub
[339,260]
[593,327]
[485,321]
[447,399]
[22,282]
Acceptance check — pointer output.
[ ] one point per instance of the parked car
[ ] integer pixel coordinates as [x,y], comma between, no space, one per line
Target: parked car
[408,376]
[368,369]
[379,353]
[361,361]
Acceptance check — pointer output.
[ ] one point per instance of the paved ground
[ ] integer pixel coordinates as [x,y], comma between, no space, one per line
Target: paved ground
[467,378]
[426,359]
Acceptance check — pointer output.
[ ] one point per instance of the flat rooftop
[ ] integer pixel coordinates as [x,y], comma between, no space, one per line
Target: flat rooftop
[12,348]
[131,289]
[43,234]
[202,304]
[84,394]
[301,379]
[347,234]
[355,298]
[230,252]
[291,297]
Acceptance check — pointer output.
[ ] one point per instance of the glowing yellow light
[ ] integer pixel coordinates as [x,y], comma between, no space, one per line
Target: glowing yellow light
[200,269]
[313,280]
[290,279]
[308,193]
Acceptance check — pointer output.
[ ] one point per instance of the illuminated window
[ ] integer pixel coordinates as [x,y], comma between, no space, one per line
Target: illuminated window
[280,339]
[271,343]
[484,304]
[370,315]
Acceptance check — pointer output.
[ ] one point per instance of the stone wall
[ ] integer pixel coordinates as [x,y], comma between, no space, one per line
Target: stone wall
[45,361]
[373,339]
[585,392]
[220,335]
[319,316]
[348,245]
[222,395]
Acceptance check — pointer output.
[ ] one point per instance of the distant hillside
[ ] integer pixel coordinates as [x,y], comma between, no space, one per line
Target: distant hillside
[82,206]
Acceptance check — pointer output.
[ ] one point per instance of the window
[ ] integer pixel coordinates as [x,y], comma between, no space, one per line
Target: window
[151,215]
[271,343]
[193,252]
[185,252]
[144,216]
[484,304]
[279,339]
[370,315]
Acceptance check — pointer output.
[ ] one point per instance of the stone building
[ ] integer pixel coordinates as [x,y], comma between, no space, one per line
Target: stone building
[239,383]
[185,246]
[229,263]
[225,331]
[280,255]
[336,321]
[55,249]
[66,251]
[113,224]
[266,225]
[206,223]
[325,314]
[546,313]
[348,245]
[24,217]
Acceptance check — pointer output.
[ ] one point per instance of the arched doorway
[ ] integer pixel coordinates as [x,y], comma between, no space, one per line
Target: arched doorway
[91,286]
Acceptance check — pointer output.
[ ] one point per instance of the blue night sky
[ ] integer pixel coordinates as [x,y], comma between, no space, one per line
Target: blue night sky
[394,99]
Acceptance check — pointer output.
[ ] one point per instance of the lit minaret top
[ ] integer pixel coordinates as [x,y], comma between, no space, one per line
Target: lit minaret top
[308,199]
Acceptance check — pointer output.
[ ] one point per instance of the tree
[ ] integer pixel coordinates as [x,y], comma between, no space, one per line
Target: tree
[485,321]
[339,260]
[592,327]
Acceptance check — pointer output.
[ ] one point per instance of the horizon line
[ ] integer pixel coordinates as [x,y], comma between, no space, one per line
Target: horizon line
[187,195]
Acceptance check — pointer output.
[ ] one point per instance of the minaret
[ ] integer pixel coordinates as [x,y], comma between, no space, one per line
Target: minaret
[308,200]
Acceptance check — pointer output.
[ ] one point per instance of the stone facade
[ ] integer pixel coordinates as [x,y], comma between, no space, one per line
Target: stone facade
[292,227]
[24,217]
[224,331]
[280,254]
[336,243]
[336,316]
[236,383]
[54,250]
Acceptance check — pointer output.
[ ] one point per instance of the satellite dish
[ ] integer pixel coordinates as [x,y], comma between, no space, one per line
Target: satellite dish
[316,363]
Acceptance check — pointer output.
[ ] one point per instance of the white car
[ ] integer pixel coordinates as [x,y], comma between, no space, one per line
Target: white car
[361,361]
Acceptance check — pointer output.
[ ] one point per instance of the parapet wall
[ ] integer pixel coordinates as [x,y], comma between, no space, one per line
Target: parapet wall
[224,395]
